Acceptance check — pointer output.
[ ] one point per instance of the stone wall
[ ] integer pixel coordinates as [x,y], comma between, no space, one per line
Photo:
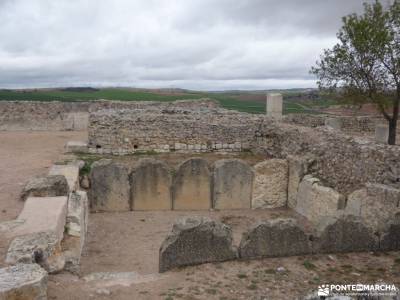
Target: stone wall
[339,160]
[171,129]
[195,184]
[56,116]
[348,123]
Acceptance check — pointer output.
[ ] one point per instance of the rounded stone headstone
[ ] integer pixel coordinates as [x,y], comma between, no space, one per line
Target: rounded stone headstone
[151,186]
[274,238]
[196,240]
[232,184]
[191,189]
[345,234]
[109,186]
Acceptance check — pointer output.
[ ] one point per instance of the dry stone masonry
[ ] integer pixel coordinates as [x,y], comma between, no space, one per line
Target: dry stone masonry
[343,191]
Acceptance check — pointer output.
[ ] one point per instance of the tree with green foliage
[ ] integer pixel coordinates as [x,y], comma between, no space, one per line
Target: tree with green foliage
[364,66]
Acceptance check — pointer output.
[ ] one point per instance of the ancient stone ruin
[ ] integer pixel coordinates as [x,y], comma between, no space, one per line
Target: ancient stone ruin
[342,191]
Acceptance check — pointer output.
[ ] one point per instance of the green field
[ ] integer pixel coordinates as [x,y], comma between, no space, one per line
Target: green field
[252,102]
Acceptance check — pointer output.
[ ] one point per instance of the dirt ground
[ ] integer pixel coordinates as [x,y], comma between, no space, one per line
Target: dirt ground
[23,155]
[127,245]
[120,259]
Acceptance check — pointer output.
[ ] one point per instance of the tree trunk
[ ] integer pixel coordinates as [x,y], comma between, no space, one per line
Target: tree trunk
[392,132]
[393,124]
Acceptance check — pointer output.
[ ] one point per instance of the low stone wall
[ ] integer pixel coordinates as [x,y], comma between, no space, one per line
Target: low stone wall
[347,123]
[151,184]
[340,161]
[172,129]
[195,240]
[56,116]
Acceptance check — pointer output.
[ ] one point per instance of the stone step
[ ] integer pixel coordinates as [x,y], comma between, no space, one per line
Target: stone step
[42,214]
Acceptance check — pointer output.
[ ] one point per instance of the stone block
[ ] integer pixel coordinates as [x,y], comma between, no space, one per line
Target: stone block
[334,123]
[195,241]
[378,205]
[297,169]
[344,234]
[151,186]
[77,215]
[76,147]
[381,134]
[24,282]
[274,238]
[46,186]
[71,173]
[315,201]
[42,248]
[232,184]
[109,186]
[270,184]
[43,214]
[191,187]
[390,239]
[274,105]
[72,252]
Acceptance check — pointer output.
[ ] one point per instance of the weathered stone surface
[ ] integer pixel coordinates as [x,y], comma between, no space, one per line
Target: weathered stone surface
[42,248]
[194,241]
[344,234]
[376,204]
[390,239]
[71,173]
[43,214]
[381,134]
[232,184]
[78,214]
[298,166]
[76,147]
[109,186]
[274,105]
[23,282]
[270,187]
[151,186]
[334,123]
[72,252]
[279,237]
[315,201]
[46,186]
[191,187]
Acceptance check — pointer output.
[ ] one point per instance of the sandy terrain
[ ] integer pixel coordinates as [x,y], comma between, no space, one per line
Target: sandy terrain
[129,242]
[24,155]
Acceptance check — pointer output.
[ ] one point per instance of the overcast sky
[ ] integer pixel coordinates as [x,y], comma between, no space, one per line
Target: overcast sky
[195,44]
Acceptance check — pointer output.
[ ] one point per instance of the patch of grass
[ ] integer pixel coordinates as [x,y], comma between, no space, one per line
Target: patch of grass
[89,159]
[309,265]
[397,261]
[269,271]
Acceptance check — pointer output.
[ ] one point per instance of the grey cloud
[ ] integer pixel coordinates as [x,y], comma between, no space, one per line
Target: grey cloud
[197,44]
